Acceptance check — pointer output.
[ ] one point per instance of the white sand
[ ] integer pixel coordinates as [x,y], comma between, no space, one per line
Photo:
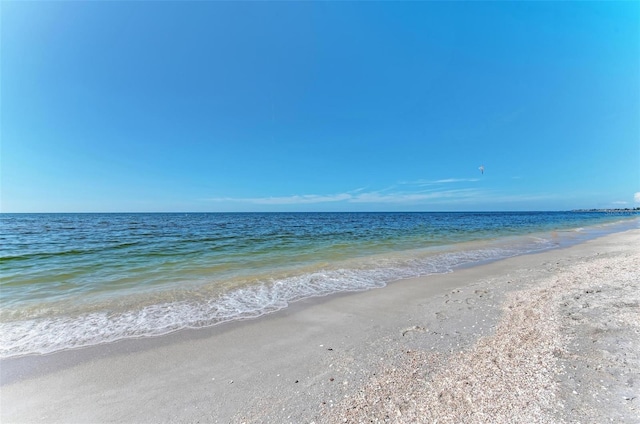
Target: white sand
[565,350]
[550,337]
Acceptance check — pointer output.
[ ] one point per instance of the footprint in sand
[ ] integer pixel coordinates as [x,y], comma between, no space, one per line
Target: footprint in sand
[415,328]
[441,316]
[482,293]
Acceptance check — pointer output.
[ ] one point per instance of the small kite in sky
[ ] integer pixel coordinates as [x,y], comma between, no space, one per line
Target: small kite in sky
[481,169]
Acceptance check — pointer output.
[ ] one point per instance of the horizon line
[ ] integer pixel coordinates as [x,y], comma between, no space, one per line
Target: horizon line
[375,211]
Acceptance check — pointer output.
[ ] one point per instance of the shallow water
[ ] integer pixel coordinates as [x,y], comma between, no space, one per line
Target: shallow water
[70,280]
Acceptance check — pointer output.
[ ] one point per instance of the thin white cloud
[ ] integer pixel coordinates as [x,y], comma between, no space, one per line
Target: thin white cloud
[457,180]
[426,192]
[423,183]
[636,197]
[358,196]
[302,199]
[384,196]
[407,197]
[620,202]
[464,196]
[285,200]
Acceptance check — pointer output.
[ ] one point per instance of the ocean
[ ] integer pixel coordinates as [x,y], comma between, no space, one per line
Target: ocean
[72,280]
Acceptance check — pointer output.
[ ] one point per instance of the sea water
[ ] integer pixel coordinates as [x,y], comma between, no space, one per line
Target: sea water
[72,280]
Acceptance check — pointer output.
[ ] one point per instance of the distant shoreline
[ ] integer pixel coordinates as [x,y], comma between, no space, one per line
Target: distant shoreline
[617,211]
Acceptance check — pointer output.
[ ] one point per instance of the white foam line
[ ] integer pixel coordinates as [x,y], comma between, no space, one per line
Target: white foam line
[46,335]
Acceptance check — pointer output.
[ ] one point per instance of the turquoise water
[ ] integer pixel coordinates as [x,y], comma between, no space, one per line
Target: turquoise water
[71,280]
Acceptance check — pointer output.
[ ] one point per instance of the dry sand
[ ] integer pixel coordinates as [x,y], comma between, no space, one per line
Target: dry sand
[550,337]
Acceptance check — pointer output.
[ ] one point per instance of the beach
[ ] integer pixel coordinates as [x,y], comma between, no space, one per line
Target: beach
[543,337]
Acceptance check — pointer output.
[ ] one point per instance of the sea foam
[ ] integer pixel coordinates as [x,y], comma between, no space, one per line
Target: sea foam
[50,334]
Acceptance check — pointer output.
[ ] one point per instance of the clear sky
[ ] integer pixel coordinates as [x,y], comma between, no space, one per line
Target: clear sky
[319,106]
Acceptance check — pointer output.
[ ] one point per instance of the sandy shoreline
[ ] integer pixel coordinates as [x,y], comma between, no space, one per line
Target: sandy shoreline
[548,337]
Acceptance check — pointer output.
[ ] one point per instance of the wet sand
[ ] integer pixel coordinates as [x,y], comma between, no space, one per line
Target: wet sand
[548,337]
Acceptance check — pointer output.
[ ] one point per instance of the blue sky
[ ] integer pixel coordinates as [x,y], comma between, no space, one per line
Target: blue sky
[327,106]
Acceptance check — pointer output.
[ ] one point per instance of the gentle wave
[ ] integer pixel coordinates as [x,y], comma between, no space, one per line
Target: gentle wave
[45,335]
[143,286]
